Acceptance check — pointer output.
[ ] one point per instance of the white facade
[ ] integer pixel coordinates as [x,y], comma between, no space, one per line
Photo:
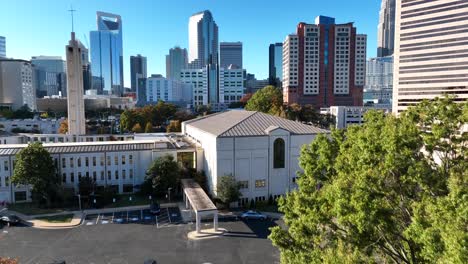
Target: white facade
[430,52]
[230,86]
[46,126]
[112,163]
[350,115]
[237,143]
[379,73]
[291,64]
[76,112]
[17,84]
[167,90]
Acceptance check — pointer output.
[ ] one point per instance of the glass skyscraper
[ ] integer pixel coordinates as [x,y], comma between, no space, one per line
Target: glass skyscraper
[275,64]
[137,69]
[230,54]
[176,61]
[386,29]
[203,40]
[107,54]
[2,47]
[50,75]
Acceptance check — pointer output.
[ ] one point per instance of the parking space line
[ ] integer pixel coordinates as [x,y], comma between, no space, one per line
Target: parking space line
[168,215]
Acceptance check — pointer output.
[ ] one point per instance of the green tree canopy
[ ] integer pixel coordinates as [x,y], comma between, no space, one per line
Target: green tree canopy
[228,189]
[163,173]
[137,128]
[148,127]
[267,100]
[34,166]
[376,192]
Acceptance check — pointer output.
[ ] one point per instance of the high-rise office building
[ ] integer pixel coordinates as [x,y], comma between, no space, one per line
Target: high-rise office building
[203,40]
[75,93]
[430,52]
[275,68]
[230,53]
[168,90]
[137,66]
[176,61]
[2,47]
[386,29]
[379,81]
[50,75]
[17,84]
[107,54]
[324,64]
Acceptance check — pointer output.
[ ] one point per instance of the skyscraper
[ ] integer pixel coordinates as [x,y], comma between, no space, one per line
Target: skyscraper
[203,40]
[386,29]
[324,64]
[275,68]
[430,52]
[17,85]
[107,54]
[176,61]
[50,75]
[230,53]
[2,47]
[75,101]
[137,66]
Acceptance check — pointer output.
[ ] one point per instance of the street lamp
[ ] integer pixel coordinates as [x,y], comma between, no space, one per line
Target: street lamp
[79,201]
[169,193]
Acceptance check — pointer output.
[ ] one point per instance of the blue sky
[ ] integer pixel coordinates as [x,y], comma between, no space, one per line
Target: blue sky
[152,27]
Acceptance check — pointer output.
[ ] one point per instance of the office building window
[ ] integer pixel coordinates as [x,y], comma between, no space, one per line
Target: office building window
[124,174]
[116,175]
[102,175]
[123,160]
[7,181]
[109,175]
[102,160]
[64,163]
[130,159]
[79,176]
[72,177]
[278,153]
[244,184]
[5,165]
[87,162]
[71,163]
[260,183]
[79,162]
[94,176]
[130,173]
[94,161]
[108,161]
[64,177]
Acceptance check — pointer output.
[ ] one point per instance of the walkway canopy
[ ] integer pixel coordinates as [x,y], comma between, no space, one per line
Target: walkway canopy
[196,199]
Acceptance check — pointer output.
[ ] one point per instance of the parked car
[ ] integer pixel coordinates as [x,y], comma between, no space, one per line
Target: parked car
[253,215]
[155,208]
[10,219]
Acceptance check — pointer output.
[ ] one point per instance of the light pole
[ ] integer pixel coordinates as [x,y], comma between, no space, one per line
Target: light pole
[169,193]
[79,201]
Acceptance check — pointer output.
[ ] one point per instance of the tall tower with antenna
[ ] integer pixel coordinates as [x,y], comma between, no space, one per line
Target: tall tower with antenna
[75,101]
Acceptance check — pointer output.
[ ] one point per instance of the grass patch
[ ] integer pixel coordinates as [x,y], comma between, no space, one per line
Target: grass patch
[66,218]
[32,209]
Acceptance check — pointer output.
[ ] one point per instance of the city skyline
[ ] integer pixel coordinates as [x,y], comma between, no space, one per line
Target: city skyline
[151,28]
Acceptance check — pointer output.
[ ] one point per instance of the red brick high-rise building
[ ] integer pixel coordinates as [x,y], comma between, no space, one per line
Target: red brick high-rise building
[324,64]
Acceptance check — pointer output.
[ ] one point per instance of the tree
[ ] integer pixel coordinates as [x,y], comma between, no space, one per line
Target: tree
[174,126]
[8,261]
[267,100]
[163,173]
[86,186]
[228,190]
[137,128]
[370,194]
[148,127]
[34,166]
[63,129]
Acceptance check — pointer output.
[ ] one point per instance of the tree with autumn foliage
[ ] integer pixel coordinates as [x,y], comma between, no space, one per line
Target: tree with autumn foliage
[63,129]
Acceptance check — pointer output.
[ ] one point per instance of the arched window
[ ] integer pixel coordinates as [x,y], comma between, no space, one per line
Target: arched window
[278,153]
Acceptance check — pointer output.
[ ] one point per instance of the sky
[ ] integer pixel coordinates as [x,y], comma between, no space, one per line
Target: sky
[152,27]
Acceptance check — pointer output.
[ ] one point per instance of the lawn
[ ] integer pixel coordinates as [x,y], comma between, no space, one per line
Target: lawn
[32,209]
[66,218]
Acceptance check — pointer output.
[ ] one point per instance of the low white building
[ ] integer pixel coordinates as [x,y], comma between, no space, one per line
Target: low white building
[351,115]
[261,151]
[46,126]
[120,164]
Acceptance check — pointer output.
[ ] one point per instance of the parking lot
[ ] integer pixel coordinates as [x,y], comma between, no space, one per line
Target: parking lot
[167,217]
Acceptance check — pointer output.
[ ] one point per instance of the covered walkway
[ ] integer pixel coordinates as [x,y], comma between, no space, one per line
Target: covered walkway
[196,199]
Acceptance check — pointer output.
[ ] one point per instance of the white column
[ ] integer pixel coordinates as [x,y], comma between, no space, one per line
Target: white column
[197,223]
[187,204]
[215,221]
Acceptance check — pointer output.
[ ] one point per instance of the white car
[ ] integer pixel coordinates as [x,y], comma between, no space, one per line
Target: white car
[253,215]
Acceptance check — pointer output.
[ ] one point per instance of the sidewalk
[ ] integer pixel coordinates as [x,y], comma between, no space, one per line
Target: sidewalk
[78,215]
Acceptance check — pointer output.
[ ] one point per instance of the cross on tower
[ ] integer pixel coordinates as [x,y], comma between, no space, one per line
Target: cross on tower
[71,13]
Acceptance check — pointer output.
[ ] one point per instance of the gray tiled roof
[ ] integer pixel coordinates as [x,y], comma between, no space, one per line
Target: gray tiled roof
[241,123]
